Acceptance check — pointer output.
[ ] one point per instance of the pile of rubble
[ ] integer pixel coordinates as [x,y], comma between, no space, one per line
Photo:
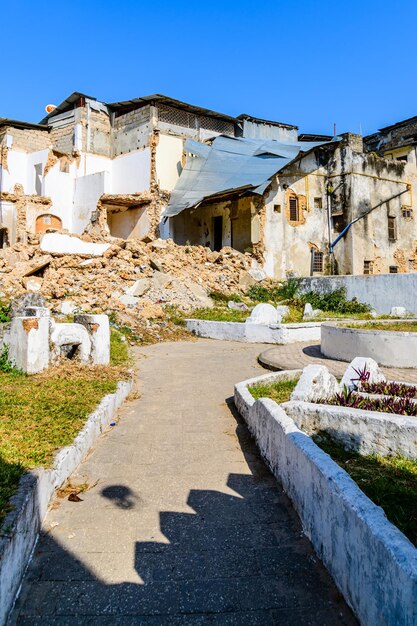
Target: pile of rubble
[133,280]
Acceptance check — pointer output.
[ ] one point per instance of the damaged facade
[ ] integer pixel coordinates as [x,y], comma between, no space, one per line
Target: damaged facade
[155,167]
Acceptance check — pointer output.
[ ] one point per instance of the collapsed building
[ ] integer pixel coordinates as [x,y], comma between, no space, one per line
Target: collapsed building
[156,167]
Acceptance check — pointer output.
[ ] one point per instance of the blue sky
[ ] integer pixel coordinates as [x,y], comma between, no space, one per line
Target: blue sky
[306,63]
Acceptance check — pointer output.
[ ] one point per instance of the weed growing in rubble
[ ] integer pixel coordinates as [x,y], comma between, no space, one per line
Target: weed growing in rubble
[5,365]
[4,313]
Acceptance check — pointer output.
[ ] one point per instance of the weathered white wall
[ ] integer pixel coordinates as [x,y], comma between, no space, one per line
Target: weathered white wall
[381,291]
[373,564]
[131,173]
[87,192]
[168,160]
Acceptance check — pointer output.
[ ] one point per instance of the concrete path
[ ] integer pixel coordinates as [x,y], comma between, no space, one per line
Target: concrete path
[298,355]
[185,525]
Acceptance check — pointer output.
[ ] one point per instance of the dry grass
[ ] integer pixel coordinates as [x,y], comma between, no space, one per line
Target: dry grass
[41,414]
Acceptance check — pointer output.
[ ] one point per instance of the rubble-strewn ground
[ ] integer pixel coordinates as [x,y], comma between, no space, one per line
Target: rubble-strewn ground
[136,283]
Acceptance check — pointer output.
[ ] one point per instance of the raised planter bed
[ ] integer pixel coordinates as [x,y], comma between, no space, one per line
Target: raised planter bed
[255,333]
[372,562]
[20,528]
[388,348]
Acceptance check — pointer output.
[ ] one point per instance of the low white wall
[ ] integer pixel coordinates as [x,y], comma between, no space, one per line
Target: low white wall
[381,291]
[366,432]
[255,333]
[21,526]
[392,349]
[372,562]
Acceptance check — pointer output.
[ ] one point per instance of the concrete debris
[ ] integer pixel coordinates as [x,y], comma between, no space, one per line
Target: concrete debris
[309,312]
[132,280]
[283,310]
[237,306]
[263,314]
[315,383]
[32,283]
[398,311]
[57,243]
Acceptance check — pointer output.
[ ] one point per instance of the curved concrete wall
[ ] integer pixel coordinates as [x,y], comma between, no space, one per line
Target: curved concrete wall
[371,561]
[392,349]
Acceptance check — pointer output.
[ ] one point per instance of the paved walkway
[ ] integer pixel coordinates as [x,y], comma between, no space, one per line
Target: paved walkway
[298,355]
[185,525]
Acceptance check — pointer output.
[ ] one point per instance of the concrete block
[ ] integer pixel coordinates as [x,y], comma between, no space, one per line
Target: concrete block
[139,287]
[28,342]
[70,340]
[283,310]
[350,378]
[98,329]
[263,314]
[56,243]
[32,283]
[315,383]
[398,311]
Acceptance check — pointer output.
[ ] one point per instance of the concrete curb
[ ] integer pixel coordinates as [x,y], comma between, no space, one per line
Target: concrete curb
[388,348]
[255,333]
[373,564]
[20,529]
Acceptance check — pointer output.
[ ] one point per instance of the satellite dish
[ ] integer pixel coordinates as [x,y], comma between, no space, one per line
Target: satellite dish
[50,107]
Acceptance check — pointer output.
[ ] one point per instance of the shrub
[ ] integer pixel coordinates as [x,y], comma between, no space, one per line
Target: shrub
[286,290]
[334,301]
[5,365]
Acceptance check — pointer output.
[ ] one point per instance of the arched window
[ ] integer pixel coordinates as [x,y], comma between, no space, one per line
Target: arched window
[47,222]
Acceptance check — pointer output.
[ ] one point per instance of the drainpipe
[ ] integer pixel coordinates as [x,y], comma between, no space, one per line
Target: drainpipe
[330,189]
[88,140]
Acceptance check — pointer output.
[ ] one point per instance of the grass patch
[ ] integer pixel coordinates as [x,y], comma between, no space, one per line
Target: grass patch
[390,482]
[279,391]
[119,351]
[399,327]
[219,314]
[41,414]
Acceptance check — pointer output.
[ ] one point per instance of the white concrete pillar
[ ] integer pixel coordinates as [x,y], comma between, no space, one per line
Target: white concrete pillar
[28,341]
[98,328]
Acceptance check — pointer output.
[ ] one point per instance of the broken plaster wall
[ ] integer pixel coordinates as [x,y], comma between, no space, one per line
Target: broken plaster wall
[360,182]
[288,244]
[196,226]
[390,187]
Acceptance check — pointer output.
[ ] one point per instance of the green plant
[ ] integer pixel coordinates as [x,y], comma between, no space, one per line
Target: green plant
[4,312]
[220,297]
[284,290]
[279,391]
[5,365]
[334,301]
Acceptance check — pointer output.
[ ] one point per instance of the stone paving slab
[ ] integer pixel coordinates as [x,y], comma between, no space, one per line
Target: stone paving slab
[185,526]
[298,355]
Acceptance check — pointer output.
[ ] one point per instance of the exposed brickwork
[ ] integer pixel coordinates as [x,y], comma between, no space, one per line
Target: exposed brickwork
[29,140]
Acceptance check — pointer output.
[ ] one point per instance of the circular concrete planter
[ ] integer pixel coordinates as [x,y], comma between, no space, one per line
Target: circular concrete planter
[389,348]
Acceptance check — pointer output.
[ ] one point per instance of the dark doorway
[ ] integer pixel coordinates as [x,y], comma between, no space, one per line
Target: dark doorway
[218,232]
[4,239]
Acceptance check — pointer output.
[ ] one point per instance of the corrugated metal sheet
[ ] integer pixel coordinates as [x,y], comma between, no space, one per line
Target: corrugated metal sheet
[230,164]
